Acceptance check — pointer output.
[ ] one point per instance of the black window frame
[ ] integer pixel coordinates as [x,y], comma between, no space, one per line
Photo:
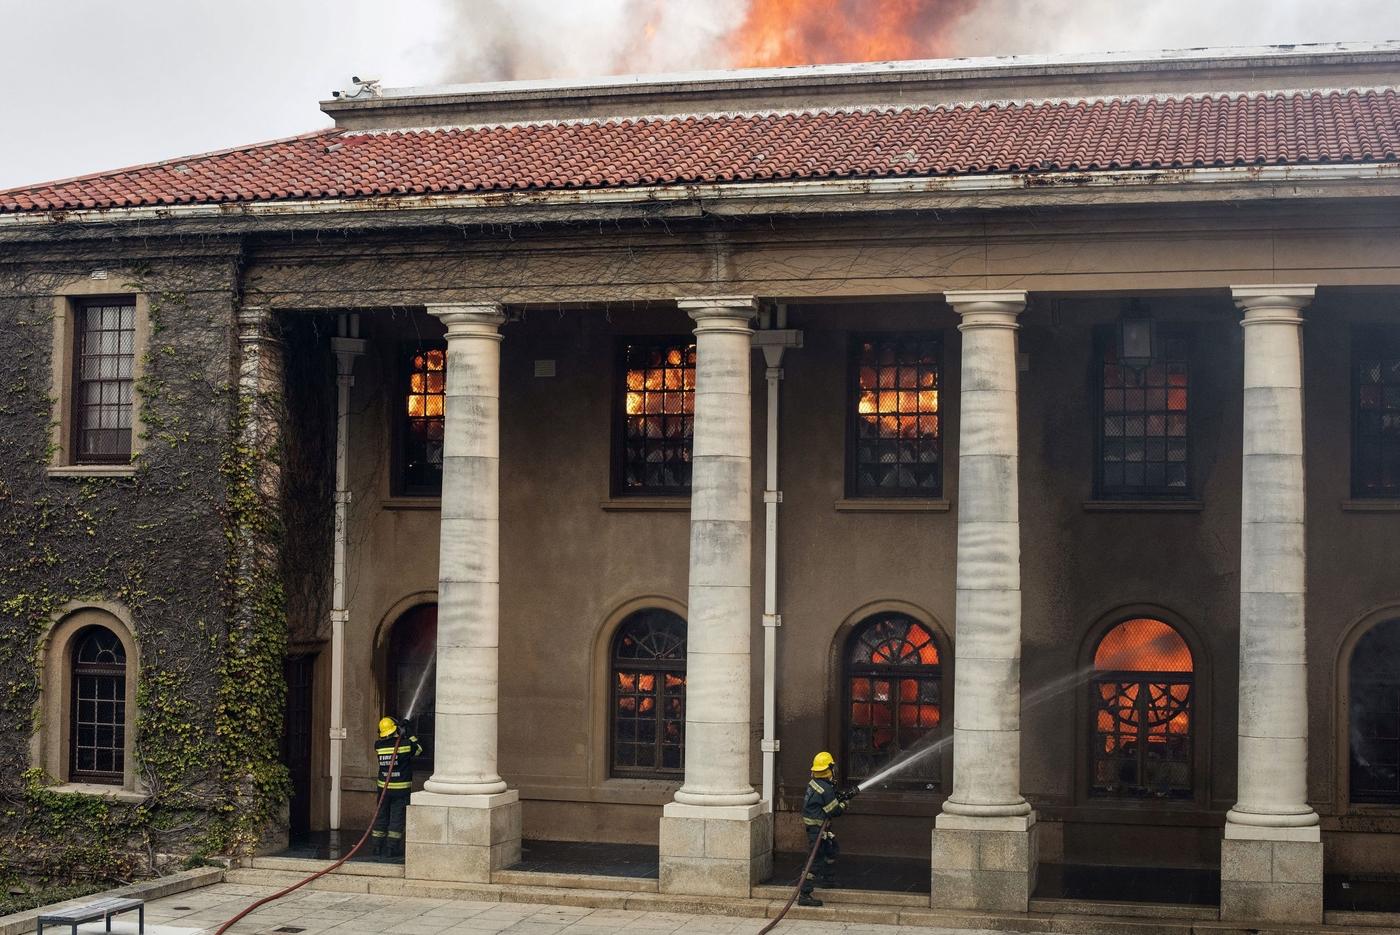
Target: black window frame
[78,671]
[618,480]
[77,407]
[852,406]
[1103,336]
[402,375]
[1355,726]
[659,669]
[1378,343]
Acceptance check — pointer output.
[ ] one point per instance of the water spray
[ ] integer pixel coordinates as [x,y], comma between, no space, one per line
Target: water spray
[422,680]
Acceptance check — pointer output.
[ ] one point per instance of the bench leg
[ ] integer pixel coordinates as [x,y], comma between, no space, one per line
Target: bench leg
[109,921]
[141,920]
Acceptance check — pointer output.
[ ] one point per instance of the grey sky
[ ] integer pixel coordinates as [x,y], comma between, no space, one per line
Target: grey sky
[100,84]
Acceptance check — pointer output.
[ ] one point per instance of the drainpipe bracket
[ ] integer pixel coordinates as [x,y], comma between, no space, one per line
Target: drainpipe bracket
[769,746]
[772,496]
[340,616]
[339,733]
[343,496]
[773,620]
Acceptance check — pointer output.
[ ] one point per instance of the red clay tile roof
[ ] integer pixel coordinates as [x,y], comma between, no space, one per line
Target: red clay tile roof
[1269,129]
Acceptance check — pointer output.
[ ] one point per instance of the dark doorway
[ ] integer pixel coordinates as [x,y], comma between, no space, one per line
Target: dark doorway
[410,678]
[296,740]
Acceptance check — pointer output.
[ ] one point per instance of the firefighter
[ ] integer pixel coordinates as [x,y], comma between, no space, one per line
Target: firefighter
[396,744]
[822,803]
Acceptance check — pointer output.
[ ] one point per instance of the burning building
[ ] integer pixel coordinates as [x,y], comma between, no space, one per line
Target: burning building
[1042,413]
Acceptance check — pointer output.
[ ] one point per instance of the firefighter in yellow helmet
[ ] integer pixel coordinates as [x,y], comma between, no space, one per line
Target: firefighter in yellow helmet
[395,745]
[822,803]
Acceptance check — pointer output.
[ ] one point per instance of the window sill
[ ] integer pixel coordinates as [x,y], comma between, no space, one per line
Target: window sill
[643,504]
[1378,505]
[411,503]
[891,505]
[1143,506]
[115,793]
[92,470]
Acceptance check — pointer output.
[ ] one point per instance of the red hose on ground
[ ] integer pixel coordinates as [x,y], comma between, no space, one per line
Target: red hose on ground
[335,866]
[797,888]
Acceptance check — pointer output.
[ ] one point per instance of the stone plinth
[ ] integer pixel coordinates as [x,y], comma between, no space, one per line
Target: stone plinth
[461,837]
[711,850]
[984,864]
[1272,881]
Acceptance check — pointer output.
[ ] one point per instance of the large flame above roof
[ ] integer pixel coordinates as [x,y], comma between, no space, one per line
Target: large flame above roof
[816,32]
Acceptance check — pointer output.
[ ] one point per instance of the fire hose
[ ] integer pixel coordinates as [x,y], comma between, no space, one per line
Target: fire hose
[801,878]
[378,805]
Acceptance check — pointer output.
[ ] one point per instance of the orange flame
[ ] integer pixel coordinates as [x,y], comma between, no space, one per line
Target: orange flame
[815,32]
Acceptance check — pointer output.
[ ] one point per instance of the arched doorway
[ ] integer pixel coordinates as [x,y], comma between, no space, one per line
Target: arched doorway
[1374,731]
[410,689]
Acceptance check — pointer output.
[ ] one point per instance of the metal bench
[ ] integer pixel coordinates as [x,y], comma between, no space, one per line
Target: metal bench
[75,916]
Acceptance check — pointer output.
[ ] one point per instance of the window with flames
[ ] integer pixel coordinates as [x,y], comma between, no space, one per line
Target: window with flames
[1142,697]
[657,422]
[894,699]
[896,443]
[648,696]
[425,396]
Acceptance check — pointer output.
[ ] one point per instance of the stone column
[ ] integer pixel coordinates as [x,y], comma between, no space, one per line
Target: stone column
[465,823]
[984,854]
[716,837]
[1271,857]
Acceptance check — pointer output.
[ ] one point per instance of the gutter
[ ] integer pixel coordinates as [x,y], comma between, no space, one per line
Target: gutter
[1096,186]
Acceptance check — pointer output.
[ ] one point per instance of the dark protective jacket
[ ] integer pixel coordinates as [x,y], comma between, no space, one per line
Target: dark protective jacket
[821,802]
[401,749]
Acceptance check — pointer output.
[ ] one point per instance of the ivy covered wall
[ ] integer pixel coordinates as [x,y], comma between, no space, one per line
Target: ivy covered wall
[188,545]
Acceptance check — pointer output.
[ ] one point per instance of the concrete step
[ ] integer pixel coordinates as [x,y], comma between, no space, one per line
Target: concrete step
[1091,907]
[780,894]
[574,881]
[306,866]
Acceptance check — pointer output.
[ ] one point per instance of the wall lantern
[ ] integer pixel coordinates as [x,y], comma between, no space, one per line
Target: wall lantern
[1136,335]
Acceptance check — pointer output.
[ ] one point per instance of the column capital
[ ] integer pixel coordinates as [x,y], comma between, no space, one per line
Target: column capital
[987,308]
[1273,303]
[256,325]
[465,321]
[720,312]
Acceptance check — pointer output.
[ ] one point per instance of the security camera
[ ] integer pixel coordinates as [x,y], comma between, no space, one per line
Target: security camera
[335,94]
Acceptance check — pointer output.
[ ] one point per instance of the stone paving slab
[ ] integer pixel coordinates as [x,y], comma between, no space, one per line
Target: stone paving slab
[321,912]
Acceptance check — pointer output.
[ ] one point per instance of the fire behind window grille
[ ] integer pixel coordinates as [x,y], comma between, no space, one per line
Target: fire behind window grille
[657,421]
[1376,405]
[896,445]
[648,695]
[1144,443]
[102,381]
[1142,699]
[99,706]
[425,394]
[894,691]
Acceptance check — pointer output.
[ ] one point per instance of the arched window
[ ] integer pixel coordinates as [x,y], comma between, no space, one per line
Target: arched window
[648,695]
[894,698]
[412,648]
[1141,724]
[97,733]
[1375,715]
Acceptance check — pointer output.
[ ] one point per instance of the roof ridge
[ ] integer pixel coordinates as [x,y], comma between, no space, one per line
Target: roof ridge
[174,160]
[984,104]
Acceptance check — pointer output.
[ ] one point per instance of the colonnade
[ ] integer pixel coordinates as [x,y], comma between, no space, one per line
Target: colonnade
[716,836]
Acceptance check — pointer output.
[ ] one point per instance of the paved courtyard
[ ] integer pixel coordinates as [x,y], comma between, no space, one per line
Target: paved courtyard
[312,912]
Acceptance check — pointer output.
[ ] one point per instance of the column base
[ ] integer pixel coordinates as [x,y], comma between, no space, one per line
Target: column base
[1271,875]
[985,864]
[715,850]
[462,838]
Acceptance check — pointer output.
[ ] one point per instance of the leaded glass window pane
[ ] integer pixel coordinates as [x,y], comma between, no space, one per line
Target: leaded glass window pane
[1141,701]
[1144,440]
[424,398]
[896,443]
[648,695]
[98,729]
[894,699]
[1375,716]
[657,420]
[1376,415]
[102,381]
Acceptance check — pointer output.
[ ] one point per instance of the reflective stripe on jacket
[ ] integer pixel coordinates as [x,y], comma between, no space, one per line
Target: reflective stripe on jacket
[401,750]
[821,802]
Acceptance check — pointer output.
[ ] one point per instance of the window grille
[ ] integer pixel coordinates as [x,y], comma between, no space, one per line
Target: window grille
[98,731]
[894,699]
[1376,415]
[1144,440]
[657,421]
[1375,716]
[425,394]
[1142,720]
[896,439]
[412,649]
[103,359]
[648,696]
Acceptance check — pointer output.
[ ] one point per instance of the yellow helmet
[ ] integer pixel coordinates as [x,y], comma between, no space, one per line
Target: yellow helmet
[387,726]
[822,762]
